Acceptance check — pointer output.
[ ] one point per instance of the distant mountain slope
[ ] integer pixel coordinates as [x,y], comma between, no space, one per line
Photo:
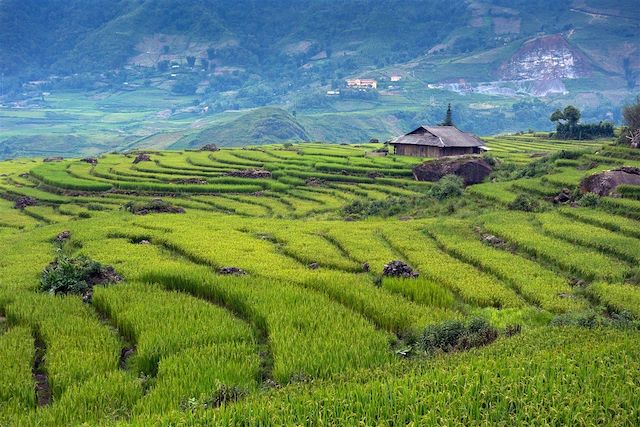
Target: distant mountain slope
[278,42]
[262,126]
[504,65]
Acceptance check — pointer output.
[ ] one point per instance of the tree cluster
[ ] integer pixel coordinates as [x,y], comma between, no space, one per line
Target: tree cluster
[567,126]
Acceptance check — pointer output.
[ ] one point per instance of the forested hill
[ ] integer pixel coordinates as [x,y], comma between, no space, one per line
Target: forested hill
[279,41]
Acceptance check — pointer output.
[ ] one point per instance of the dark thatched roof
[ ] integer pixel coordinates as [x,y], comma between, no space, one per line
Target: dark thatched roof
[439,136]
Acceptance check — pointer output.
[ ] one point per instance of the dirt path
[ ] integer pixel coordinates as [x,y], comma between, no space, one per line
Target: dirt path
[43,390]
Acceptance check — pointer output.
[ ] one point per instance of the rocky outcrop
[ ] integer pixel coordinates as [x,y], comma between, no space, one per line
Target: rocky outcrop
[24,201]
[546,58]
[398,269]
[471,169]
[604,183]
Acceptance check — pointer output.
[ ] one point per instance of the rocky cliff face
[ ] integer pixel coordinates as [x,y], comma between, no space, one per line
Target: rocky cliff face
[546,58]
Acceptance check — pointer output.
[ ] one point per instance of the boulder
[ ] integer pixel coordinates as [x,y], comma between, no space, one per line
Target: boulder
[604,183]
[472,170]
[564,196]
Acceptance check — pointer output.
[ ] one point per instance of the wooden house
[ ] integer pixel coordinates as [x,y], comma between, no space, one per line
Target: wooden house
[437,141]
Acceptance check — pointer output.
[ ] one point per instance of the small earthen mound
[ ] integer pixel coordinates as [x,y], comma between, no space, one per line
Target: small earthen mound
[106,275]
[24,201]
[375,174]
[53,159]
[235,271]
[250,173]
[472,169]
[154,206]
[493,240]
[209,147]
[399,269]
[314,182]
[577,283]
[142,157]
[604,183]
[90,160]
[196,181]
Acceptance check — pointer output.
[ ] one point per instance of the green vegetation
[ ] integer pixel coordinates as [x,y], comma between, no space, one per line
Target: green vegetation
[262,298]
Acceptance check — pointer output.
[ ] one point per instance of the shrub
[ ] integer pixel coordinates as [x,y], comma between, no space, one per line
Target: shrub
[524,203]
[68,275]
[492,161]
[588,319]
[75,275]
[449,186]
[454,335]
[589,200]
[388,207]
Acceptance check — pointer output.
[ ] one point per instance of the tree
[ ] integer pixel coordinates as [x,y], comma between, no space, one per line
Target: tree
[205,63]
[571,115]
[631,115]
[191,61]
[448,120]
[631,118]
[557,116]
[185,85]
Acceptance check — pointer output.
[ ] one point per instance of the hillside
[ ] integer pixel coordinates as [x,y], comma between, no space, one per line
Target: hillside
[305,283]
[504,65]
[262,126]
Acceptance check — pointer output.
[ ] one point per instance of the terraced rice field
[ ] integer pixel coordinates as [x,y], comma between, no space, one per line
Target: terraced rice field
[312,332]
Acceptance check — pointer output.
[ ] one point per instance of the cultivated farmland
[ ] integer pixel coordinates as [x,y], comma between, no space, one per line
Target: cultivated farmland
[251,287]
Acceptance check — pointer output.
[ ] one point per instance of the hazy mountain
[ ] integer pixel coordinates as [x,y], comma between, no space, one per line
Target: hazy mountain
[504,64]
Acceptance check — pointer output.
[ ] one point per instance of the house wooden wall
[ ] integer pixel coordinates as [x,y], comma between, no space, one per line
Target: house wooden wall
[429,151]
